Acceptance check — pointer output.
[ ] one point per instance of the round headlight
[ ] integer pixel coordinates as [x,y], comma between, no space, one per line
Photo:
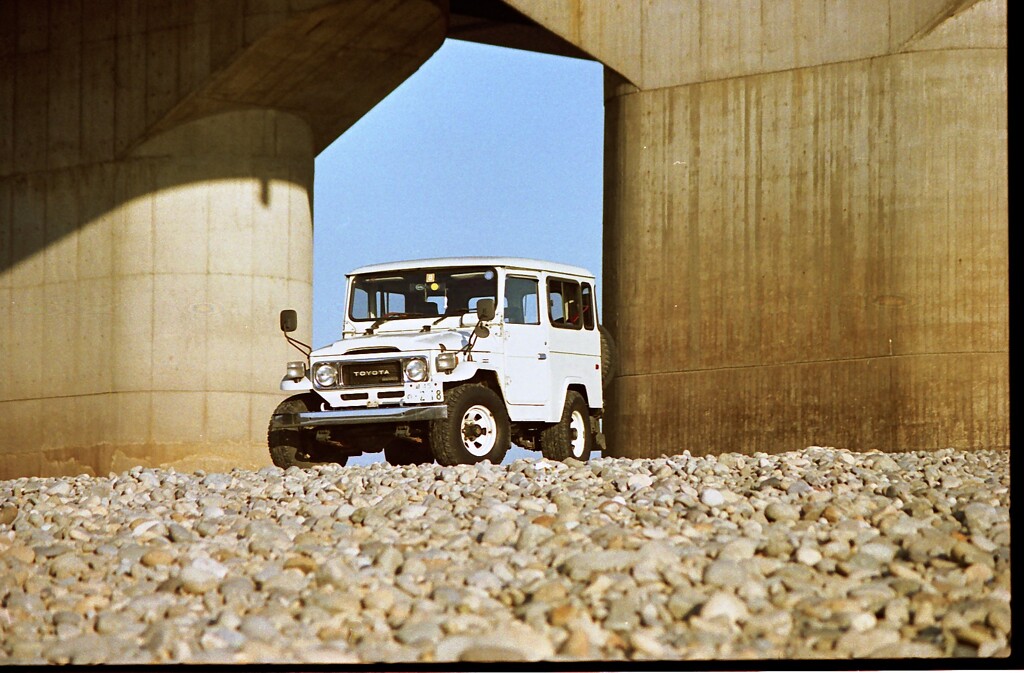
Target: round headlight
[326,375]
[416,370]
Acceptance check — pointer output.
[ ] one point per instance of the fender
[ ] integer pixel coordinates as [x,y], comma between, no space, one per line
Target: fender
[291,385]
[464,372]
[595,399]
[559,403]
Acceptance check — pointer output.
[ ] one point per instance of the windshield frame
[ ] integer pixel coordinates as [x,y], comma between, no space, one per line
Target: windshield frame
[414,276]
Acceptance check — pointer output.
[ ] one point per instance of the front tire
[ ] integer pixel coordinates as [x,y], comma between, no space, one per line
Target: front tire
[477,427]
[294,448]
[571,436]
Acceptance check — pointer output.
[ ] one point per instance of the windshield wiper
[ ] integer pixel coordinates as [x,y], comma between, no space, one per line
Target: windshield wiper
[392,316]
[449,314]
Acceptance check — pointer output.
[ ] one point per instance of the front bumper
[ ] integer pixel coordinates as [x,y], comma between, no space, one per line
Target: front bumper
[315,419]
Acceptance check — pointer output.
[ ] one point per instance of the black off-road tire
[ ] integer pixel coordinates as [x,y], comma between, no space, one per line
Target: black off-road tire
[290,448]
[571,437]
[471,405]
[401,451]
[609,357]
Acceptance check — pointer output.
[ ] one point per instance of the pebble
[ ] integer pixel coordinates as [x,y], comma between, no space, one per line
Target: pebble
[725,573]
[499,532]
[807,554]
[864,644]
[712,497]
[646,644]
[422,632]
[781,511]
[724,604]
[739,549]
[157,557]
[197,580]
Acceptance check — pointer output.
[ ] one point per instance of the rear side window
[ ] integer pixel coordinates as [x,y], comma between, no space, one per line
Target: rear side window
[565,303]
[589,313]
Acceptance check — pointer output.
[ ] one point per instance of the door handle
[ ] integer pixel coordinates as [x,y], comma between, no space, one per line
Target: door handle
[542,356]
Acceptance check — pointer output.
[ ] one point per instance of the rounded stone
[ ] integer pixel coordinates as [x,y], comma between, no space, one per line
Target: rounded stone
[157,557]
[781,511]
[712,497]
[197,580]
[808,556]
[725,604]
[725,573]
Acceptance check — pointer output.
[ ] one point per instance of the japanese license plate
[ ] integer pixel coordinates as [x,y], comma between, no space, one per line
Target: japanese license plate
[427,391]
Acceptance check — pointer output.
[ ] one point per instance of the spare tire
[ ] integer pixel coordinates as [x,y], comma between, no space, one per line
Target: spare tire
[609,357]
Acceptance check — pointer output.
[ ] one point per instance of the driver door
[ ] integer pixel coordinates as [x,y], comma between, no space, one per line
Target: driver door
[527,367]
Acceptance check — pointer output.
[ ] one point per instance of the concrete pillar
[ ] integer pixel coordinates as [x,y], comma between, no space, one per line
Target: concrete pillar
[805,221]
[811,257]
[139,323]
[156,173]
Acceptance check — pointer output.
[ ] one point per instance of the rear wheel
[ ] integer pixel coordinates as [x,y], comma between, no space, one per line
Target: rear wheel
[296,448]
[571,436]
[477,427]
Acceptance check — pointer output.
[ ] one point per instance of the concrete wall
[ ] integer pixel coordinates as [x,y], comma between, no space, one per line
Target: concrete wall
[806,217]
[805,222]
[156,168]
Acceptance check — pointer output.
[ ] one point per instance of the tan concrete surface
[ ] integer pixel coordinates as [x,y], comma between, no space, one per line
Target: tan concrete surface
[151,324]
[816,255]
[156,172]
[663,43]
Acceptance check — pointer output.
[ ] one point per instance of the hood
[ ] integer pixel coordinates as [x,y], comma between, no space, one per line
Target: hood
[403,341]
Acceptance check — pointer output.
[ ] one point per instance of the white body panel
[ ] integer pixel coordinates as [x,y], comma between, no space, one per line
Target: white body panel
[534,360]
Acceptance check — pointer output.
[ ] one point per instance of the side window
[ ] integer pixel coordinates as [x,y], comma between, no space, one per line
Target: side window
[521,301]
[588,307]
[565,303]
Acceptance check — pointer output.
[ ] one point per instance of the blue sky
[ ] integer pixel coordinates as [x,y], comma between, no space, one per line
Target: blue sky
[483,151]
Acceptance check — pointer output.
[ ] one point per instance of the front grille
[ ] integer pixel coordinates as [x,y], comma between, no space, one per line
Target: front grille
[379,373]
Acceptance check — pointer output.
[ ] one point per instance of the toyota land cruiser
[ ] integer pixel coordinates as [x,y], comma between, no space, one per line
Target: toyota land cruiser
[450,360]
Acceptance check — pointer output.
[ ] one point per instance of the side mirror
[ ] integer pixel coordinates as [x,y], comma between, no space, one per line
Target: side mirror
[485,310]
[289,320]
[481,331]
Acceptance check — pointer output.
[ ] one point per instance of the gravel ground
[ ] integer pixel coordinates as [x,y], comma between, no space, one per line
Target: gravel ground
[820,553]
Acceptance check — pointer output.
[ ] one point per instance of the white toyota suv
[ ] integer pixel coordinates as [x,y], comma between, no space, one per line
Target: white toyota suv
[450,359]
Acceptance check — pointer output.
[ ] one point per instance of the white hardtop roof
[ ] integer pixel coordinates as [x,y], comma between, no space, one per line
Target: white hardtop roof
[507,262]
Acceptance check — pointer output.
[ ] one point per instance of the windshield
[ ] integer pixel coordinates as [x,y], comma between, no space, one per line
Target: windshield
[421,293]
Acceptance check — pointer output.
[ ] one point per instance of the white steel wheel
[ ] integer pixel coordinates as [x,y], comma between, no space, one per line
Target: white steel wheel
[479,430]
[578,431]
[476,429]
